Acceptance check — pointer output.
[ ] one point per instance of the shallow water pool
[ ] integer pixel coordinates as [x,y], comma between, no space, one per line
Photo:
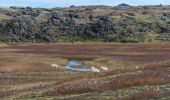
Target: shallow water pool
[79,66]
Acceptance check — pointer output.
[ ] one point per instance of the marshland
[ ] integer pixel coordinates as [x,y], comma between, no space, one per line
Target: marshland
[135,71]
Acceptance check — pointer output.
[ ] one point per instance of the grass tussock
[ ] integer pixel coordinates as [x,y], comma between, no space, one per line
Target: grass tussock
[120,82]
[27,69]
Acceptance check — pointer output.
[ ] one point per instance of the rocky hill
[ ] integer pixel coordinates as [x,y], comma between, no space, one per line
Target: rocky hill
[85,23]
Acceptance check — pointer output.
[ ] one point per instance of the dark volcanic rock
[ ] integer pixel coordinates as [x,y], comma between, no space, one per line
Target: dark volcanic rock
[22,28]
[21,24]
[123,5]
[2,25]
[104,23]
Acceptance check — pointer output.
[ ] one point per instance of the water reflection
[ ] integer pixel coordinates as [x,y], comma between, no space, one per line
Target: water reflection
[79,66]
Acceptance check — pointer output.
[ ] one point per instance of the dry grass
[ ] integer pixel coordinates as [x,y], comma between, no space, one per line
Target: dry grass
[148,94]
[27,68]
[22,63]
[4,17]
[140,52]
[115,83]
[145,95]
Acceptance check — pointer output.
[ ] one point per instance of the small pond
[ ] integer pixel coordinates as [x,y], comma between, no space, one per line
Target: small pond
[79,66]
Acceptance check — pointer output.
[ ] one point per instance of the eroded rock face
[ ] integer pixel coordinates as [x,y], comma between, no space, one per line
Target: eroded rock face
[22,24]
[2,25]
[92,22]
[22,28]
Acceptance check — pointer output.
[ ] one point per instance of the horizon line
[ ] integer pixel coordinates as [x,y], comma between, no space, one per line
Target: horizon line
[82,6]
